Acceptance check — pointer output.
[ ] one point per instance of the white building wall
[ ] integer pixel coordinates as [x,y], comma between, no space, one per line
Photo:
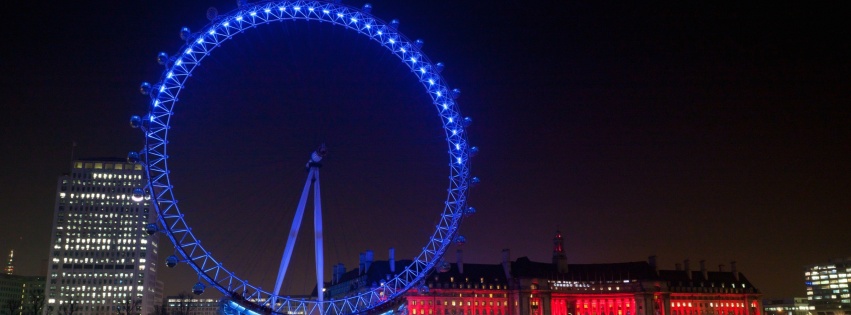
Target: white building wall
[101,259]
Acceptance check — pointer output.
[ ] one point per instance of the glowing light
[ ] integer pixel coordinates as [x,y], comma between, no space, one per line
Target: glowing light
[310,9]
[200,41]
[392,41]
[212,32]
[450,118]
[430,81]
[422,70]
[403,50]
[280,8]
[459,160]
[170,74]
[380,33]
[457,146]
[326,11]
[414,60]
[188,51]
[454,132]
[239,18]
[297,8]
[267,10]
[368,26]
[226,23]
[354,20]
[441,94]
[339,15]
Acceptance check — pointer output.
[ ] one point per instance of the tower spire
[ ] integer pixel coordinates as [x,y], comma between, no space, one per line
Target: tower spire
[559,257]
[10,266]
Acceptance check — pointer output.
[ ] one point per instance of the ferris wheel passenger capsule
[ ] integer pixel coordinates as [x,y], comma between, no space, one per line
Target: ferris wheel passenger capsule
[475,181]
[443,266]
[422,289]
[455,93]
[438,67]
[366,8]
[467,121]
[151,228]
[162,58]
[394,24]
[133,157]
[184,33]
[138,194]
[212,13]
[460,240]
[419,43]
[171,261]
[198,288]
[474,151]
[135,121]
[145,88]
[469,211]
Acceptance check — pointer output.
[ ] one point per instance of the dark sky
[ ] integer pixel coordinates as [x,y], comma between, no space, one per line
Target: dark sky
[690,131]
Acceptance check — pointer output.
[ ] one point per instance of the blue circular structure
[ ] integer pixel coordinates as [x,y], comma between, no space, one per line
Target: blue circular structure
[164,96]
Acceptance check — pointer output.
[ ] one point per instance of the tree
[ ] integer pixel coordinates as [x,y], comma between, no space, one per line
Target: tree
[36,302]
[129,306]
[68,308]
[13,306]
[161,310]
[185,305]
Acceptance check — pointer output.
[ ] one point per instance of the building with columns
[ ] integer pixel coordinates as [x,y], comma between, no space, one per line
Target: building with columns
[525,287]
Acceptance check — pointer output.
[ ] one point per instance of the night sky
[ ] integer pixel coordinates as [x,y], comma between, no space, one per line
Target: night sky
[689,131]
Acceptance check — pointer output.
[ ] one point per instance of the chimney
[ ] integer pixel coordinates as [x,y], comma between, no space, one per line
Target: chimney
[652,262]
[687,268]
[392,260]
[339,270]
[506,263]
[678,267]
[734,271]
[721,268]
[362,264]
[460,261]
[369,257]
[703,270]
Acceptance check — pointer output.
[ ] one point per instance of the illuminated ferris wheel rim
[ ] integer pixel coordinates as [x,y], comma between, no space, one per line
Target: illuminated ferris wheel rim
[198,45]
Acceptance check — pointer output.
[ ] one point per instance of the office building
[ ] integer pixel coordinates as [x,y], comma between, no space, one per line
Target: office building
[827,287]
[101,259]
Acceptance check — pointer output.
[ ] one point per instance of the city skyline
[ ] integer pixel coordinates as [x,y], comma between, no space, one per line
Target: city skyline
[695,131]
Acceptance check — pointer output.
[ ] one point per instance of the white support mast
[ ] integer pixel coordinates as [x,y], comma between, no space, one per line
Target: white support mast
[313,166]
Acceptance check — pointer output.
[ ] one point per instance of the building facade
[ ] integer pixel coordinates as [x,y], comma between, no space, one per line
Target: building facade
[101,259]
[22,295]
[188,304]
[525,287]
[787,306]
[827,287]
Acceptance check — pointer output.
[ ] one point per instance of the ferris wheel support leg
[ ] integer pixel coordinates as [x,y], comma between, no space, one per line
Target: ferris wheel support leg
[317,226]
[288,251]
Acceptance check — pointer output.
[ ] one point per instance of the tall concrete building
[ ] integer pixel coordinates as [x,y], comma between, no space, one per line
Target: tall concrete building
[101,259]
[827,287]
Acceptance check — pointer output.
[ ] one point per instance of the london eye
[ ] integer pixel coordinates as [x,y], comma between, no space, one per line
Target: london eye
[157,122]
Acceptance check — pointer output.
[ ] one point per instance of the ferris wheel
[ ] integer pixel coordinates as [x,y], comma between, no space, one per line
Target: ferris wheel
[155,156]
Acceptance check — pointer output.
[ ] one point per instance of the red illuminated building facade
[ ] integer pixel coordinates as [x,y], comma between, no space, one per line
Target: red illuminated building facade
[524,287]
